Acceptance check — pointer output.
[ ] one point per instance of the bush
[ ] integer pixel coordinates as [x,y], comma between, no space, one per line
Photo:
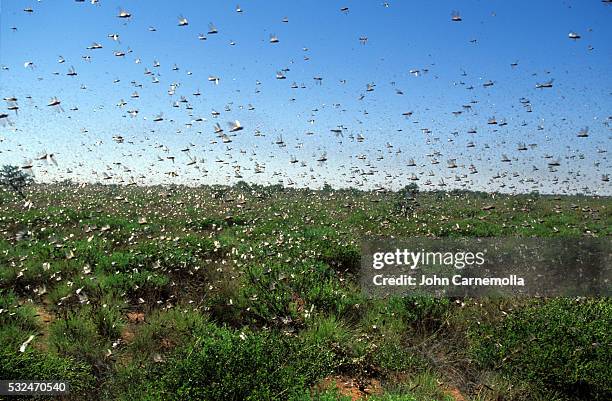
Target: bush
[292,290]
[226,365]
[17,322]
[15,179]
[561,344]
[84,335]
[333,248]
[15,317]
[164,329]
[36,365]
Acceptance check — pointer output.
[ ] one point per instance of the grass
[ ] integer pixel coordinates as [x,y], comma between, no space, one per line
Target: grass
[132,294]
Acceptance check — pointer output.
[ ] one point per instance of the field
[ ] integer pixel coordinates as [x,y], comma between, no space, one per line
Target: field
[250,292]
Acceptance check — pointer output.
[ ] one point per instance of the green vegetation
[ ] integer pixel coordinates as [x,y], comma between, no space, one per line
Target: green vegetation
[562,343]
[250,293]
[14,179]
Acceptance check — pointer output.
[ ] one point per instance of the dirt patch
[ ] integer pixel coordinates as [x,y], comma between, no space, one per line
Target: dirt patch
[127,334]
[455,393]
[46,319]
[167,343]
[136,317]
[44,315]
[350,387]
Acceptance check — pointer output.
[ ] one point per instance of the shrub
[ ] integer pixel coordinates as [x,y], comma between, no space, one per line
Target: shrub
[292,290]
[174,327]
[17,323]
[15,179]
[20,317]
[562,344]
[224,364]
[81,336]
[36,365]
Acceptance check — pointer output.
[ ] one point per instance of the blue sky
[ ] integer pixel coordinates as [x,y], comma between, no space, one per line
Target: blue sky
[406,35]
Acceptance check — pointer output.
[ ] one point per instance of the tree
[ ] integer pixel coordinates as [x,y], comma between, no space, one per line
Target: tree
[15,179]
[411,189]
[405,200]
[242,185]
